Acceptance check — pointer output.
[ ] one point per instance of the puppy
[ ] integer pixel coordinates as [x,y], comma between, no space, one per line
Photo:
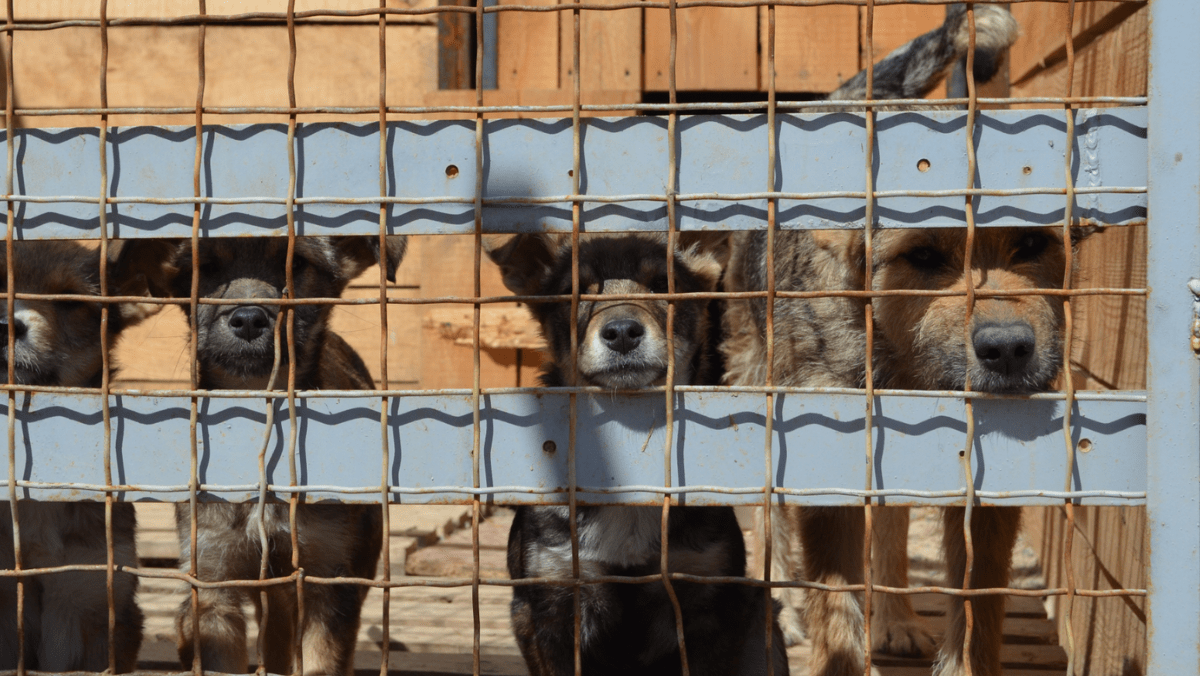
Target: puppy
[628,628]
[58,343]
[911,71]
[235,348]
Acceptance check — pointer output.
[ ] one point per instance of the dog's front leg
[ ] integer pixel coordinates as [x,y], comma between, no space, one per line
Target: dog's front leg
[832,538]
[993,532]
[895,628]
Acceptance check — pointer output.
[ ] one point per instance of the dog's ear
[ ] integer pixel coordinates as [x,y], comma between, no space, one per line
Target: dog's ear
[718,245]
[356,254]
[704,264]
[524,260]
[1082,232]
[847,250]
[141,267]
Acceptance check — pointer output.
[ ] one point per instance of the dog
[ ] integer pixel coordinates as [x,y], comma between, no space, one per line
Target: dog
[58,343]
[622,344]
[1016,346]
[910,71]
[235,350]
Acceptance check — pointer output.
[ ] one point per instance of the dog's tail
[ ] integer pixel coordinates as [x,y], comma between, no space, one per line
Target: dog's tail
[915,68]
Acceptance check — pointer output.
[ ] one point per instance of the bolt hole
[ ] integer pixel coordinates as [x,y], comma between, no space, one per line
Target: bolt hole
[1085,445]
[571,173]
[1027,170]
[923,166]
[961,453]
[451,171]
[550,446]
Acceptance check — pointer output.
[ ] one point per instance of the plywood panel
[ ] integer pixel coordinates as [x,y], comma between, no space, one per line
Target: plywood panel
[896,25]
[610,49]
[527,50]
[447,272]
[717,49]
[246,66]
[530,97]
[43,10]
[816,48]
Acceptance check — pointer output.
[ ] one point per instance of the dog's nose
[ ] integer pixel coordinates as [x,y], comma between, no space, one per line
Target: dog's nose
[622,335]
[19,329]
[249,322]
[1004,348]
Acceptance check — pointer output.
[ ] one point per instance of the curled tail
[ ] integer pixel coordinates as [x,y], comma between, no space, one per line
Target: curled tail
[915,68]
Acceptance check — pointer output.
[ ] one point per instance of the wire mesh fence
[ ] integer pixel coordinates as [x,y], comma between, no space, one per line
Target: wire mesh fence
[474,446]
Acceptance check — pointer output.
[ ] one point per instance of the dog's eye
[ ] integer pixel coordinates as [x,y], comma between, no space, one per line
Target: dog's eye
[926,258]
[1030,246]
[299,265]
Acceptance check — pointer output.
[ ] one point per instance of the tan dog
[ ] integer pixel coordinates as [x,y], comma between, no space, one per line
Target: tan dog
[236,351]
[58,343]
[1015,346]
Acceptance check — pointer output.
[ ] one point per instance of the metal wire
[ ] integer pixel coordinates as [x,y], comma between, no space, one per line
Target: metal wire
[671,197]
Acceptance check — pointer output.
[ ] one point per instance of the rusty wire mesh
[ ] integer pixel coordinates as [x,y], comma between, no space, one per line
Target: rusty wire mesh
[672,199]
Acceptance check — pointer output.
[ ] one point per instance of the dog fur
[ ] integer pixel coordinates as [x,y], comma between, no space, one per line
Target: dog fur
[1016,346]
[628,629]
[58,343]
[908,72]
[235,346]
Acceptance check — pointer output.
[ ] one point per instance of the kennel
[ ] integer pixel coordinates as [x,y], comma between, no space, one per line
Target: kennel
[677,161]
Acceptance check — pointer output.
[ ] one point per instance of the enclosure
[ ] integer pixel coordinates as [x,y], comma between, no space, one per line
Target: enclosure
[451,121]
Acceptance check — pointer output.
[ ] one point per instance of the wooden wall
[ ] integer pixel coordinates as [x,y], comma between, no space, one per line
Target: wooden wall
[1109,351]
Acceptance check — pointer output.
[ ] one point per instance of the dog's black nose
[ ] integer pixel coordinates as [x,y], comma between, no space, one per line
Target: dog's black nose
[19,329]
[249,322]
[1004,348]
[622,335]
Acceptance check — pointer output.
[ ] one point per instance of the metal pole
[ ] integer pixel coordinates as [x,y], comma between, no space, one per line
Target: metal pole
[1173,410]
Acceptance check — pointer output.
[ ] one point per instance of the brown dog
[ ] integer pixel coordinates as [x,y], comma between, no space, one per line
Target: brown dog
[235,345]
[1015,346]
[58,343]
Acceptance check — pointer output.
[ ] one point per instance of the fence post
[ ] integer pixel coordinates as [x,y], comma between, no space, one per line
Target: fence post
[1173,412]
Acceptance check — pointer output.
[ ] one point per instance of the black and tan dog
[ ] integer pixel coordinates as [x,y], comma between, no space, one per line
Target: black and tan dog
[1015,345]
[58,343]
[235,346]
[628,628]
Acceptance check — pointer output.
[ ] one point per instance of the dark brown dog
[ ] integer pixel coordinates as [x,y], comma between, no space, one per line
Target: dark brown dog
[235,345]
[58,343]
[1015,346]
[628,628]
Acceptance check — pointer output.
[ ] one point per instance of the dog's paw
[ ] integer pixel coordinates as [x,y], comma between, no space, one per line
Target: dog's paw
[903,638]
[791,625]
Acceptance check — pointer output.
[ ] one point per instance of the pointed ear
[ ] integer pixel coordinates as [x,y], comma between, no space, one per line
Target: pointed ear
[704,264]
[356,254]
[718,245]
[848,249]
[143,267]
[524,260]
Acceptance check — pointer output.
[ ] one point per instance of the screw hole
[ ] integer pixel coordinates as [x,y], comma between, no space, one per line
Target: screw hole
[1027,170]
[571,173]
[923,166]
[1085,445]
[550,446]
[451,171]
[961,453]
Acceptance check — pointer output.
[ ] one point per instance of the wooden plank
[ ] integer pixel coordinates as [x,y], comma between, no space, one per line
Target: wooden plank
[47,10]
[896,25]
[717,49]
[527,48]
[610,53]
[245,66]
[816,48]
[456,48]
[531,97]
[447,272]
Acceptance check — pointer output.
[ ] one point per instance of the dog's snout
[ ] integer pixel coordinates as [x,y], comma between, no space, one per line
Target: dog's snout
[1004,348]
[622,335]
[249,322]
[19,330]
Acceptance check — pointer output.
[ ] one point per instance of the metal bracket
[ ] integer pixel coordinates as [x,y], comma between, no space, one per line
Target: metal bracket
[1194,287]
